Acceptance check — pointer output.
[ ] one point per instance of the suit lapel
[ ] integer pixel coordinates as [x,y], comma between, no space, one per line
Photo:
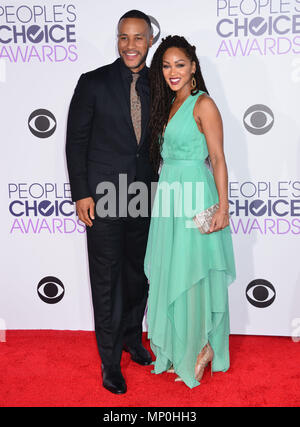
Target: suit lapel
[144,90]
[145,114]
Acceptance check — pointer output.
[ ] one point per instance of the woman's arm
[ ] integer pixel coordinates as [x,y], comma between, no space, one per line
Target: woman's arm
[209,121]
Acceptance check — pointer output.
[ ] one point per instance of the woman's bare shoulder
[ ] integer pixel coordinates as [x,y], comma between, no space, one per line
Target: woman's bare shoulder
[206,106]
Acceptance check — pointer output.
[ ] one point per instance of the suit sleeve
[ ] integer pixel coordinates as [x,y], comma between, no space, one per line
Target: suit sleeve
[79,125]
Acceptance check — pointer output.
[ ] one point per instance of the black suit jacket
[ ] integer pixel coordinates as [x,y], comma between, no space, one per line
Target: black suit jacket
[101,142]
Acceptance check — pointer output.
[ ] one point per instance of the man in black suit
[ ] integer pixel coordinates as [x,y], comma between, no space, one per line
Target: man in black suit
[107,135]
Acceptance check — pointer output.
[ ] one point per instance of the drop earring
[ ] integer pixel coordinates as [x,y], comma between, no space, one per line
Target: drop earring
[194,84]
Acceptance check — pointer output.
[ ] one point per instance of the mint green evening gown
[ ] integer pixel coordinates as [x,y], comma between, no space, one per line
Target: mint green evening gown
[188,272]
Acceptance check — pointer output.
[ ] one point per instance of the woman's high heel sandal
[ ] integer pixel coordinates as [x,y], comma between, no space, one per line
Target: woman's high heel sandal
[204,357]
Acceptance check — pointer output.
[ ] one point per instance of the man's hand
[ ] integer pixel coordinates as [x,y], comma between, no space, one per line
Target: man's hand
[86,210]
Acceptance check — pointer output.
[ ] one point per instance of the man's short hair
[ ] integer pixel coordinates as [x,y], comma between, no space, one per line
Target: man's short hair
[139,15]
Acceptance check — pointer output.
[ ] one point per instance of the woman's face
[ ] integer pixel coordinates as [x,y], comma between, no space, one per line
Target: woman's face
[178,69]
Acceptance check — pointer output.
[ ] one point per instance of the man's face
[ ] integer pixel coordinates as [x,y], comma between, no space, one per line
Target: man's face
[134,41]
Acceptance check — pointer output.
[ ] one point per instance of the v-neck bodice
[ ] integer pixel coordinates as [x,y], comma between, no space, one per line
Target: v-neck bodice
[181,106]
[182,138]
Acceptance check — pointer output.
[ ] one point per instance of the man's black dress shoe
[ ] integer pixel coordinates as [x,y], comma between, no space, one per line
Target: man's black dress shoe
[113,379]
[139,354]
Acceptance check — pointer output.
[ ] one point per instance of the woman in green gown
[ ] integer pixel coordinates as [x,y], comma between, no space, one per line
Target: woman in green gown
[188,272]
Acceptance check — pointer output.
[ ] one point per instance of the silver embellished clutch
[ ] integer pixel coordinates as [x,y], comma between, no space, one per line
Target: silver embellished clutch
[203,219]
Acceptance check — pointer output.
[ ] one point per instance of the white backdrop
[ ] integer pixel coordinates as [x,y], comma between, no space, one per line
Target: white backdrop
[249,54]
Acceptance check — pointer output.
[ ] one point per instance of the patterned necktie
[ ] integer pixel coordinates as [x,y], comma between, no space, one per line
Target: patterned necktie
[135,108]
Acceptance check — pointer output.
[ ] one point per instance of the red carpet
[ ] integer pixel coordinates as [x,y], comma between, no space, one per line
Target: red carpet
[62,368]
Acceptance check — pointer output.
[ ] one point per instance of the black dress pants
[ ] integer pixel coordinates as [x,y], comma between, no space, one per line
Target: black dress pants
[116,251]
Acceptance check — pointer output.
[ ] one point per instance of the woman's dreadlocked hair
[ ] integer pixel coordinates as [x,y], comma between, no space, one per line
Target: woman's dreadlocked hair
[161,95]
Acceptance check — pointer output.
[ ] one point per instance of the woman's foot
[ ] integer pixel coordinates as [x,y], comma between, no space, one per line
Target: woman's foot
[204,357]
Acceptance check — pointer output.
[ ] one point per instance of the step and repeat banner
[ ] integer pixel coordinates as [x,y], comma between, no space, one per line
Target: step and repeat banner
[249,51]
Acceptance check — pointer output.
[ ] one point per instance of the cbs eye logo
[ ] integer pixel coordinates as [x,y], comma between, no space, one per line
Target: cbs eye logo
[50,290]
[260,293]
[156,26]
[258,119]
[42,123]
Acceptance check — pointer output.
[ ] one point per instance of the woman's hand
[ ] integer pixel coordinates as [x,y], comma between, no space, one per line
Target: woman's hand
[219,221]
